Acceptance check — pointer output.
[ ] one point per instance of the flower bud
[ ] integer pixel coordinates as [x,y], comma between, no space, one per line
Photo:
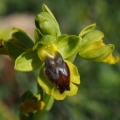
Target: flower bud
[92,48]
[46,24]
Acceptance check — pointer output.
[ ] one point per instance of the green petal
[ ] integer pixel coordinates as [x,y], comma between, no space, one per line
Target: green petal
[68,45]
[28,61]
[22,37]
[13,50]
[87,29]
[90,38]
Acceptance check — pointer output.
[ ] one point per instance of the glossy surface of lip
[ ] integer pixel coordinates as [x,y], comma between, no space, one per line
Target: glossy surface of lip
[58,72]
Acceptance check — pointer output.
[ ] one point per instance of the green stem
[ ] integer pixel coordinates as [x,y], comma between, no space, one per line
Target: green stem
[48,100]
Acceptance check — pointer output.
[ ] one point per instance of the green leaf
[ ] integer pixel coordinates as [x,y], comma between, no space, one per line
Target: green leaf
[87,29]
[68,45]
[22,37]
[28,61]
[91,38]
[13,50]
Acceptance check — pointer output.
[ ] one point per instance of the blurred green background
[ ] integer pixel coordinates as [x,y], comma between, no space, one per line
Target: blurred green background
[98,97]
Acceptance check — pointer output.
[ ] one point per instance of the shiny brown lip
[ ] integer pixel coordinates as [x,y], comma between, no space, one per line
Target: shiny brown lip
[58,72]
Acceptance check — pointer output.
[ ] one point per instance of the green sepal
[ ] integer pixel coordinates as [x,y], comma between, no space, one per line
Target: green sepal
[68,46]
[46,9]
[13,50]
[37,35]
[87,29]
[98,54]
[28,61]
[90,38]
[22,37]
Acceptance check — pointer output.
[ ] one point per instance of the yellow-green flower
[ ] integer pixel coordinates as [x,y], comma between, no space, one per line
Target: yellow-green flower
[57,76]
[53,55]
[93,48]
[30,105]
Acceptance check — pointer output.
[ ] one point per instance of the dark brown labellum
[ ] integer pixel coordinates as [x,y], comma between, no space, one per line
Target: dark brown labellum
[58,72]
